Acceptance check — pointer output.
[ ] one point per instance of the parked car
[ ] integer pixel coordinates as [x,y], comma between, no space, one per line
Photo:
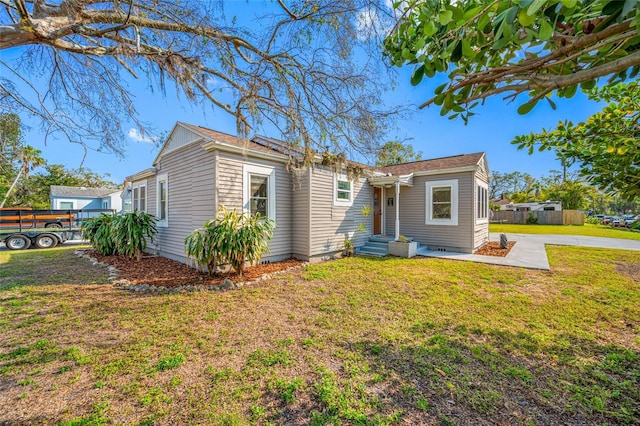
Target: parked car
[606,220]
[630,220]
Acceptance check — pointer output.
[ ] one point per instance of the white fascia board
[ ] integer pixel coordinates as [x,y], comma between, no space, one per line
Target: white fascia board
[142,175]
[213,145]
[446,171]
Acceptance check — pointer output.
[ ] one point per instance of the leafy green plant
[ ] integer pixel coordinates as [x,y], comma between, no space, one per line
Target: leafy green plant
[532,219]
[365,210]
[232,237]
[131,231]
[403,239]
[348,247]
[98,230]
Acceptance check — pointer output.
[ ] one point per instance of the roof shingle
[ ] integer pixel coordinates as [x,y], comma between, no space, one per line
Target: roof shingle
[80,191]
[432,164]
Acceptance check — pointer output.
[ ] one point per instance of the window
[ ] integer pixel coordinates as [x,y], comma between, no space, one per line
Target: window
[163,200]
[66,205]
[259,195]
[343,190]
[127,206]
[140,196]
[105,204]
[442,202]
[482,202]
[259,198]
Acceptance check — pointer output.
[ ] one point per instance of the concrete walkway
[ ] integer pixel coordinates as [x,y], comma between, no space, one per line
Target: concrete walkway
[529,251]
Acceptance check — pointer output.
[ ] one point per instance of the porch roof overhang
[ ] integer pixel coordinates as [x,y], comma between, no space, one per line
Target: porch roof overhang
[391,180]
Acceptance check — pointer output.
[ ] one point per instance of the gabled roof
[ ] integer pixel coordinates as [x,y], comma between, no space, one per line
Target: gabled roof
[435,164]
[80,191]
[240,143]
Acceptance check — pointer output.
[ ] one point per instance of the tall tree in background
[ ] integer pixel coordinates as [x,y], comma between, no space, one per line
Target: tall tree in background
[298,67]
[606,146]
[396,152]
[17,159]
[34,191]
[538,48]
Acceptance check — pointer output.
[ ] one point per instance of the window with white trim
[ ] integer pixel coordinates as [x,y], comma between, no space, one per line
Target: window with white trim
[482,202]
[139,197]
[66,205]
[259,190]
[162,208]
[442,202]
[342,190]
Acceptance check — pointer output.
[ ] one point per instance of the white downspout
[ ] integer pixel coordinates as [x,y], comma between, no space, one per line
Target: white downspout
[397,210]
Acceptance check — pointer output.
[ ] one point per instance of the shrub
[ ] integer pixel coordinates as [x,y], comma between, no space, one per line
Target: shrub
[532,219]
[131,231]
[592,220]
[231,238]
[98,230]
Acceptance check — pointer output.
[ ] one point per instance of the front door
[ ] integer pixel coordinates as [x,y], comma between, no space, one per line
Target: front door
[377,211]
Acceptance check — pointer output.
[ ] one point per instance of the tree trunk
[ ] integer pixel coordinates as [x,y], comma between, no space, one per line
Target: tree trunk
[15,181]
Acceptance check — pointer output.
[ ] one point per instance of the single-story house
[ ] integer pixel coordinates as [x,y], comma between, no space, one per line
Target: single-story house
[79,197]
[441,203]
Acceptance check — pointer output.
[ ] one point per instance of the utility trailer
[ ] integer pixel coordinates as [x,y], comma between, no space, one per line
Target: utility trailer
[21,228]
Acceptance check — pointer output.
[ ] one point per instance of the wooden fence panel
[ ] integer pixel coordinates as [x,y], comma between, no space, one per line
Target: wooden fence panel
[572,217]
[549,217]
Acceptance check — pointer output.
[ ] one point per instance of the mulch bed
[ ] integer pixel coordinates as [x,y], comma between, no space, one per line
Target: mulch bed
[493,249]
[162,272]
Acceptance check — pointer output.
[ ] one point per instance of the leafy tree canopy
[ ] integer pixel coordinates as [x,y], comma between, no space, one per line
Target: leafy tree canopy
[295,68]
[35,189]
[509,47]
[606,146]
[396,152]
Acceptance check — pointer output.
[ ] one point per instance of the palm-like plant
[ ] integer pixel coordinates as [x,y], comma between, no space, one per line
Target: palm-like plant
[98,230]
[233,238]
[131,231]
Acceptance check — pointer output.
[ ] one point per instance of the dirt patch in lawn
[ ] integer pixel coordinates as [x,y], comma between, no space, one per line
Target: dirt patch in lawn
[632,270]
[163,272]
[493,249]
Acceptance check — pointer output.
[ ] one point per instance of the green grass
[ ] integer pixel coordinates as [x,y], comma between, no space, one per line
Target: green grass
[355,341]
[589,230]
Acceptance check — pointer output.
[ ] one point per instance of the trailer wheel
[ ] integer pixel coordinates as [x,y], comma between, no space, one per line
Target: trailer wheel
[53,225]
[44,241]
[17,242]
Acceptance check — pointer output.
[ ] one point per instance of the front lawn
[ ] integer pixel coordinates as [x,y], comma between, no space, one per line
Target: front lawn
[356,341]
[589,230]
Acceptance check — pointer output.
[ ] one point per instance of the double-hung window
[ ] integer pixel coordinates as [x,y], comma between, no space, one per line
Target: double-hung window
[259,190]
[442,202]
[343,190]
[482,202]
[163,200]
[140,196]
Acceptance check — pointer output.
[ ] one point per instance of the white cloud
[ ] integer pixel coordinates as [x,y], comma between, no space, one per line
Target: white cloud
[136,136]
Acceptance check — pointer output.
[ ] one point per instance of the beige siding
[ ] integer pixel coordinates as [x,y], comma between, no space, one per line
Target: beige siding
[301,212]
[179,138]
[413,214]
[330,224]
[190,172]
[230,195]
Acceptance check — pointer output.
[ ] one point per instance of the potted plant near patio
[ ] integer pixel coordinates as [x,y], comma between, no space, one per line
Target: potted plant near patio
[403,247]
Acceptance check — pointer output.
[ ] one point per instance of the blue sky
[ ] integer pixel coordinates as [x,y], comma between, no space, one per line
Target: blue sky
[491,130]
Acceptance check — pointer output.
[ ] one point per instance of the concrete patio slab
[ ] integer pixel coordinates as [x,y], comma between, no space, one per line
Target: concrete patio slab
[529,251]
[524,254]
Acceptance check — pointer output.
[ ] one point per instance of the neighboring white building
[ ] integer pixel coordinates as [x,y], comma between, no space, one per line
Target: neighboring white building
[533,207]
